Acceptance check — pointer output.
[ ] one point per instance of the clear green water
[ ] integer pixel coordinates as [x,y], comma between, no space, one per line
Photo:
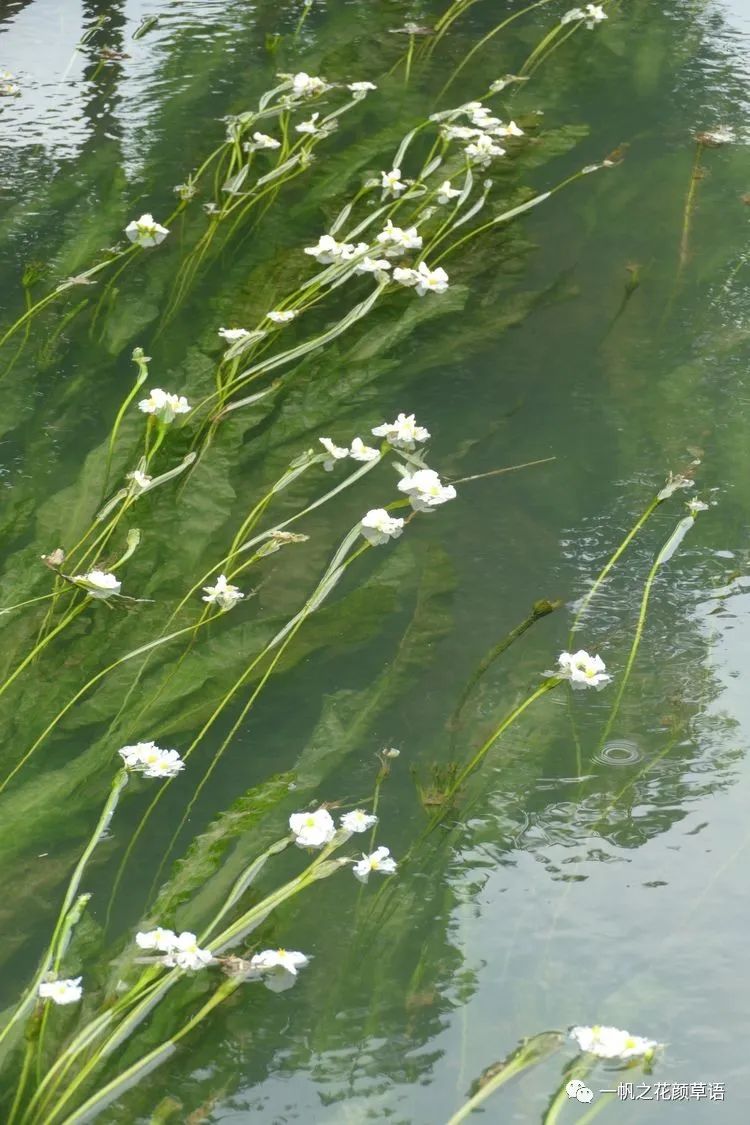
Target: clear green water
[571,889]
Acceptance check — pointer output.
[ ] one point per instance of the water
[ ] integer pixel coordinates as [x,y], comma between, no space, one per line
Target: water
[575,887]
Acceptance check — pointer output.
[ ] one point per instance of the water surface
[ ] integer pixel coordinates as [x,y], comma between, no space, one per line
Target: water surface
[569,888]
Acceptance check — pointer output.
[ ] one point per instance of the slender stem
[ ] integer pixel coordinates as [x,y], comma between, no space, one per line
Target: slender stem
[531,1052]
[579,1069]
[56,944]
[477,759]
[663,556]
[611,561]
[486,39]
[688,210]
[540,609]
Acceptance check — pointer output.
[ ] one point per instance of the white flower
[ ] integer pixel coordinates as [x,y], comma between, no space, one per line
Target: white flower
[150,760]
[378,527]
[285,959]
[327,249]
[337,453]
[132,756]
[396,239]
[163,405]
[281,316]
[140,482]
[278,967]
[372,265]
[305,86]
[361,87]
[308,126]
[509,130]
[582,670]
[347,250]
[694,506]
[392,183]
[261,140]
[446,192]
[405,276]
[168,763]
[233,335]
[404,433]
[594,13]
[482,150]
[161,940]
[671,485]
[460,132]
[222,593]
[481,116]
[145,231]
[425,489]
[380,860]
[721,135]
[312,829]
[612,1043]
[358,820]
[98,584]
[361,452]
[431,281]
[61,991]
[187,954]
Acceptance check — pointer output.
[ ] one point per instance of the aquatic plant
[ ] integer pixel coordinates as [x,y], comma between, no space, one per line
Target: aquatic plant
[379,260]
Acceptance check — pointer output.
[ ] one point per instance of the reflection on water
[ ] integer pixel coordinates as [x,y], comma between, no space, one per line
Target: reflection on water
[576,880]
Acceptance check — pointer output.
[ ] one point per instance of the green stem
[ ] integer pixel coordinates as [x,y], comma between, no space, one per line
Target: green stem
[532,1051]
[611,561]
[539,610]
[663,556]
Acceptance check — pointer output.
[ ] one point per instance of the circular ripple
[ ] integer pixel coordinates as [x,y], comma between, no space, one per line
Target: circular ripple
[619,752]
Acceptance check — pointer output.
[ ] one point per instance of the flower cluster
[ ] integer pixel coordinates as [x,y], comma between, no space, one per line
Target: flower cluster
[425,490]
[307,86]
[98,584]
[317,829]
[612,1043]
[358,451]
[481,135]
[404,433]
[582,670]
[328,250]
[592,14]
[61,991]
[222,593]
[164,406]
[150,760]
[423,278]
[394,240]
[146,231]
[180,951]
